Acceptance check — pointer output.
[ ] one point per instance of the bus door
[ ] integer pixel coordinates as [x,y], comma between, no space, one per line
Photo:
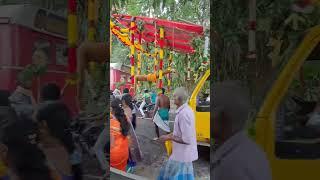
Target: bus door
[200,103]
[288,125]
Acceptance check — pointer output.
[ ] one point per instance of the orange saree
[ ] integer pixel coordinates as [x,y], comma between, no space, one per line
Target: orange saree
[119,148]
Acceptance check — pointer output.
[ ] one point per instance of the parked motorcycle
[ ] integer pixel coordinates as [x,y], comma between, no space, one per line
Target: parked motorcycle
[85,132]
[147,109]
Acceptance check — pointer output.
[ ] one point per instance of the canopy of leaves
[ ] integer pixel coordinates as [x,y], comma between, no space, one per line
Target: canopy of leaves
[279,31]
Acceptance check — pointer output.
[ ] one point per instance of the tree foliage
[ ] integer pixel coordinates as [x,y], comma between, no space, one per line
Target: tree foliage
[279,32]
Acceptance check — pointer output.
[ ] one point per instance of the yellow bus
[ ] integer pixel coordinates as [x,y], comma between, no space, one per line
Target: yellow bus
[200,103]
[280,125]
[292,149]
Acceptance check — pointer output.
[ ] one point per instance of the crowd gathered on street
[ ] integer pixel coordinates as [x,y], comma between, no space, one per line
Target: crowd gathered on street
[124,146]
[36,140]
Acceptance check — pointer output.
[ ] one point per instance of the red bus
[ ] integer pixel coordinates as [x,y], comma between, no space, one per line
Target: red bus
[29,34]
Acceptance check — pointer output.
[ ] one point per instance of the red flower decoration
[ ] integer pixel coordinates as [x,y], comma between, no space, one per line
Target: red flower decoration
[72,5]
[160,83]
[132,60]
[161,64]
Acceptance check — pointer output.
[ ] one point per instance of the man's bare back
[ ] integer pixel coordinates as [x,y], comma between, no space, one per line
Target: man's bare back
[163,101]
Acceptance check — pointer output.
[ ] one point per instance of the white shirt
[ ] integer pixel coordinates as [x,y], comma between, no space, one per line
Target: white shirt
[184,127]
[239,158]
[116,92]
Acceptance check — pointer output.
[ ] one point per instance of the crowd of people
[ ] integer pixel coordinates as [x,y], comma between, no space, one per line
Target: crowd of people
[124,147]
[36,142]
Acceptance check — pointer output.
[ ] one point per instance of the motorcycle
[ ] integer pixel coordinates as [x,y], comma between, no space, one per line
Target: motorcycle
[147,109]
[85,132]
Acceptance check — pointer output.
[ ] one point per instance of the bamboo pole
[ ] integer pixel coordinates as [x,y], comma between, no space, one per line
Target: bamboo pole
[139,57]
[155,49]
[152,77]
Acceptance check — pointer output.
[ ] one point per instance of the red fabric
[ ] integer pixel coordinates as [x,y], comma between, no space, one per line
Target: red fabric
[132,61]
[133,28]
[140,38]
[178,36]
[161,64]
[160,83]
[117,28]
[161,43]
[160,22]
[132,38]
[72,60]
[72,6]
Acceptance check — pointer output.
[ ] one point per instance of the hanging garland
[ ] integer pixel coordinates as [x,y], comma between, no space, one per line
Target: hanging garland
[161,54]
[170,69]
[132,48]
[189,69]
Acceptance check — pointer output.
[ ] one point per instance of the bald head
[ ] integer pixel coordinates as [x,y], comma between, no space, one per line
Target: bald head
[231,101]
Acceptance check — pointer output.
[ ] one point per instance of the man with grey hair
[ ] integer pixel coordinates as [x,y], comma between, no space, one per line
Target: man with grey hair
[184,151]
[237,157]
[22,100]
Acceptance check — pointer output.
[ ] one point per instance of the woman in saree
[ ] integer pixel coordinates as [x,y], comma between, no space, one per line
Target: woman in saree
[119,143]
[127,107]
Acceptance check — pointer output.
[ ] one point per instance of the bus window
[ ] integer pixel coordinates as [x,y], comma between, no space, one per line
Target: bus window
[298,116]
[51,23]
[57,25]
[203,98]
[41,19]
[62,54]
[41,52]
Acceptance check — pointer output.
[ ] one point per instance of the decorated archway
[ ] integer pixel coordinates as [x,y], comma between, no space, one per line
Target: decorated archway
[154,39]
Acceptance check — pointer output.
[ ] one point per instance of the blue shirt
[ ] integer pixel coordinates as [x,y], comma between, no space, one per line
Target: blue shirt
[153,98]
